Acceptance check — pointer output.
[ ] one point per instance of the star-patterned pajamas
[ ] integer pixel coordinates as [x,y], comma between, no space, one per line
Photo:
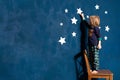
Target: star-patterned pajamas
[92,48]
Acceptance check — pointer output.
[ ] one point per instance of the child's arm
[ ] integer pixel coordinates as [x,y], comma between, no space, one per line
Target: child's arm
[82,16]
[99,44]
[84,21]
[97,32]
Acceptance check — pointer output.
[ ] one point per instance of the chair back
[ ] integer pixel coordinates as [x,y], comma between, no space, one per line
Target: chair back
[87,62]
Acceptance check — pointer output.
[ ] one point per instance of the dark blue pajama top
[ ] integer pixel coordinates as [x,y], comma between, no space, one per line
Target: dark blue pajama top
[93,40]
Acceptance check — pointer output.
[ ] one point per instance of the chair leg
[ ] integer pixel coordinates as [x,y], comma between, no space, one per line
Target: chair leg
[89,78]
[111,77]
[107,78]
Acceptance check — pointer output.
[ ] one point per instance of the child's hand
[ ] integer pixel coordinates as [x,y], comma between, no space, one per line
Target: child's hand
[82,14]
[99,46]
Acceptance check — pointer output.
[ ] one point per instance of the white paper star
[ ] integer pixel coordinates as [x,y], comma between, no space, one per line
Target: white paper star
[105,37]
[97,6]
[74,34]
[99,27]
[79,11]
[61,24]
[62,40]
[106,12]
[66,10]
[74,20]
[107,28]
[87,16]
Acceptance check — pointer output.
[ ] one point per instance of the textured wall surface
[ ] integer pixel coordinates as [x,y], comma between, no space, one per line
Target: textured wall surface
[30,31]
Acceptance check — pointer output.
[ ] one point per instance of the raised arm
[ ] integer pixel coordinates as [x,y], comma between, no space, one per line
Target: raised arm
[83,21]
[82,16]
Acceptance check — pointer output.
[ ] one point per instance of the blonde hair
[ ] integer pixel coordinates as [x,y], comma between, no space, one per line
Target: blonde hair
[94,20]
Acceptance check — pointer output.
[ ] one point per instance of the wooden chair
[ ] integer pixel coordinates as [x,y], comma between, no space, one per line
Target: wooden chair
[107,74]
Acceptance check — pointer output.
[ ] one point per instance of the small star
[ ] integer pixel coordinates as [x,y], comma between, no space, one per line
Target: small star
[99,27]
[62,40]
[61,24]
[87,16]
[97,7]
[79,11]
[106,12]
[105,37]
[74,20]
[74,34]
[107,28]
[66,10]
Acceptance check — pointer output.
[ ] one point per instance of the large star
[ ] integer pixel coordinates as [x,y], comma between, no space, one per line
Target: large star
[107,28]
[79,11]
[74,20]
[62,40]
[97,6]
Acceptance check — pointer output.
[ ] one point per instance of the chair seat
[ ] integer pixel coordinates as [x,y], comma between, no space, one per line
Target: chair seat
[103,72]
[107,74]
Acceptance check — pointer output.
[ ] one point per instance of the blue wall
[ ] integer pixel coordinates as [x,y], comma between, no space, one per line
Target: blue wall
[29,34]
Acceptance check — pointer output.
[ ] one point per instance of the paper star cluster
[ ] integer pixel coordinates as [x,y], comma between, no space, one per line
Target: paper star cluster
[74,20]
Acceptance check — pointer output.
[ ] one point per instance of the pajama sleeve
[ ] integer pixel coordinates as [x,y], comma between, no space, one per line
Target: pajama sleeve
[97,33]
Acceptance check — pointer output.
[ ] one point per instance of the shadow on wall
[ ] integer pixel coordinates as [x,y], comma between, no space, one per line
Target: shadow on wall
[81,72]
